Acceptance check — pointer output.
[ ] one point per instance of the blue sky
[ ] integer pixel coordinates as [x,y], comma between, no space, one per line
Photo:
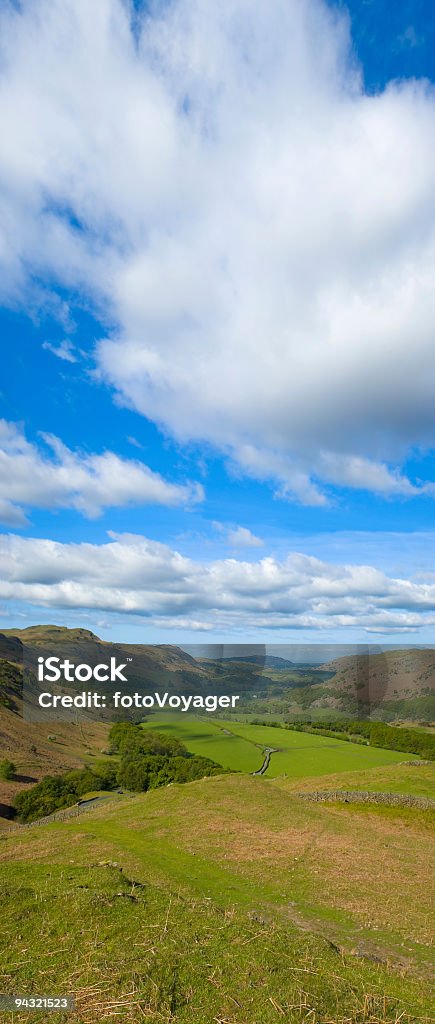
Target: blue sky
[217,242]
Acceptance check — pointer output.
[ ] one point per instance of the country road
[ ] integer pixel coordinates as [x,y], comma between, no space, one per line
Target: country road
[267,754]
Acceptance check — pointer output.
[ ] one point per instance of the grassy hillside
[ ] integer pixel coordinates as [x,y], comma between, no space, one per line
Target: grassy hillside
[223,900]
[389,684]
[237,970]
[411,779]
[40,748]
[152,666]
[228,900]
[388,674]
[239,746]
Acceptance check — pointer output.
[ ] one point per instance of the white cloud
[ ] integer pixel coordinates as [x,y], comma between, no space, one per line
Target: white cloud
[132,575]
[64,350]
[11,515]
[260,231]
[239,536]
[134,442]
[60,478]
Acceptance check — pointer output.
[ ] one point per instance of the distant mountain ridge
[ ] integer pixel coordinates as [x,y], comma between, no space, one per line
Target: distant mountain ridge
[400,683]
[268,660]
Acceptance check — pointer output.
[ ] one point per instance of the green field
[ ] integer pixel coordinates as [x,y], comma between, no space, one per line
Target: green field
[239,746]
[402,779]
[208,738]
[226,900]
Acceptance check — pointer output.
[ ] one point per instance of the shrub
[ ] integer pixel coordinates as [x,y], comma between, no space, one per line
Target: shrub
[120,733]
[7,769]
[156,770]
[130,740]
[140,775]
[56,792]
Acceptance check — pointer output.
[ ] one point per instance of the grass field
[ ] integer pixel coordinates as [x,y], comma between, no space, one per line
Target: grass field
[403,779]
[239,746]
[209,738]
[185,961]
[236,903]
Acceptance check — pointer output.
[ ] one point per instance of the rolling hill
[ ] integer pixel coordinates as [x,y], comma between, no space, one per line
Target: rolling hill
[270,908]
[400,681]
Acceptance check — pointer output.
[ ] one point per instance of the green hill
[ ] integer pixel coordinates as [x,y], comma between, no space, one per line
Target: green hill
[227,900]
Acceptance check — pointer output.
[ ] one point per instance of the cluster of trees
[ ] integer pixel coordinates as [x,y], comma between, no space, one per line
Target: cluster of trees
[149,759]
[143,760]
[374,734]
[130,740]
[58,791]
[377,734]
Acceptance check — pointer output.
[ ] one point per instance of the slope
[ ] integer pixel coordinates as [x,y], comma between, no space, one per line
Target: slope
[268,908]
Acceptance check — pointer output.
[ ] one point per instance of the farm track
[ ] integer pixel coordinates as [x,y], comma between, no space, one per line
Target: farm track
[268,751]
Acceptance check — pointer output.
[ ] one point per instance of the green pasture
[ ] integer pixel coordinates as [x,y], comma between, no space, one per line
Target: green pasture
[239,746]
[303,754]
[208,738]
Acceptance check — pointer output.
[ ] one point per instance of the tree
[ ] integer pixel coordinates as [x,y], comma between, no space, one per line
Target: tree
[137,775]
[7,769]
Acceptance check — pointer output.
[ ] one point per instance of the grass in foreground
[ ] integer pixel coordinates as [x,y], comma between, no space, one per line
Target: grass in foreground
[131,951]
[241,881]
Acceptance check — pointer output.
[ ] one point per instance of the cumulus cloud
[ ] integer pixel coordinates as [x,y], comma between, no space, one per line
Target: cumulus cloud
[239,536]
[133,575]
[260,231]
[60,478]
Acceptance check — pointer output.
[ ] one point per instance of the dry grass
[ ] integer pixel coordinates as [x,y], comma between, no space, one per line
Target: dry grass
[28,746]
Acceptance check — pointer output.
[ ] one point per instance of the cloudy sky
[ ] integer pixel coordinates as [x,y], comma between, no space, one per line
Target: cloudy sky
[217,260]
